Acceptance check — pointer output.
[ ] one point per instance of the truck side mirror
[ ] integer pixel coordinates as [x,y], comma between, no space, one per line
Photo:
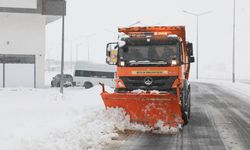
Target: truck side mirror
[191,59]
[190,49]
[112,53]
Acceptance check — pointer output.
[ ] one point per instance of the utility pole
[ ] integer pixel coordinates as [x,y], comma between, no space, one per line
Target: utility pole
[71,63]
[87,37]
[233,67]
[87,40]
[77,48]
[197,37]
[62,57]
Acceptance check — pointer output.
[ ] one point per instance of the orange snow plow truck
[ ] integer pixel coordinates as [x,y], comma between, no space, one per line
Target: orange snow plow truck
[153,65]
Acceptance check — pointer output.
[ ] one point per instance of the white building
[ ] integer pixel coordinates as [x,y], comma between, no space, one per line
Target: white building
[22,40]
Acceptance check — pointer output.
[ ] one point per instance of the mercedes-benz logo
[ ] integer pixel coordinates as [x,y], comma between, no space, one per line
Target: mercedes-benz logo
[148,80]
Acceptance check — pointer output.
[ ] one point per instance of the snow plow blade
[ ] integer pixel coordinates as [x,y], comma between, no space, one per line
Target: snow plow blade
[147,108]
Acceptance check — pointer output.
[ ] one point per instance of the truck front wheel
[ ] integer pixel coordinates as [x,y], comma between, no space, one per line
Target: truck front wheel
[185,102]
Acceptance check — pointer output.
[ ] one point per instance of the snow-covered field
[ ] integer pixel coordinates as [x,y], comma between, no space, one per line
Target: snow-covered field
[34,119]
[43,119]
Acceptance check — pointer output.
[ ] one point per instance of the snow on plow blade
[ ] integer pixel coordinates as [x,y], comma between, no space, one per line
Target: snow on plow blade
[146,108]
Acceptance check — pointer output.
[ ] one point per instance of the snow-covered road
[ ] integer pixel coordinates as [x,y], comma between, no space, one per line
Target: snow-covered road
[220,119]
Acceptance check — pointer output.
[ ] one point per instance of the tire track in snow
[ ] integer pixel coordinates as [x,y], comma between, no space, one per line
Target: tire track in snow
[236,112]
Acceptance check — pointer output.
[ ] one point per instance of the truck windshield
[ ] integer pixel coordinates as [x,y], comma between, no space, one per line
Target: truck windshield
[150,53]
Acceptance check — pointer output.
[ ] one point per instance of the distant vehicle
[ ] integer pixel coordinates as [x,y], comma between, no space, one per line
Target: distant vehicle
[67,80]
[90,74]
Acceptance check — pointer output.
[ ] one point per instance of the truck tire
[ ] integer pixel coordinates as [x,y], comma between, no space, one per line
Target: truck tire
[87,85]
[185,102]
[189,102]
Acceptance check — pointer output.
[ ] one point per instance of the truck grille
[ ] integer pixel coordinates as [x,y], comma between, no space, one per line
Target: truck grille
[158,83]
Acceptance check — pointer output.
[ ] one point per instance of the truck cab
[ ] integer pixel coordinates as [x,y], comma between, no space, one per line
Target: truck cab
[150,60]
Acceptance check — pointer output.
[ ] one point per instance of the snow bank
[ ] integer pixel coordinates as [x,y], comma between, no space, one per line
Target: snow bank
[90,131]
[139,91]
[242,88]
[121,122]
[238,88]
[45,119]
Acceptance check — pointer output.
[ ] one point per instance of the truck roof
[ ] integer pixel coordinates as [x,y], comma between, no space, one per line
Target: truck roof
[155,30]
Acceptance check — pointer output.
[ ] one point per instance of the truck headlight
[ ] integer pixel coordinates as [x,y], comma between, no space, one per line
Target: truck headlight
[122,63]
[174,62]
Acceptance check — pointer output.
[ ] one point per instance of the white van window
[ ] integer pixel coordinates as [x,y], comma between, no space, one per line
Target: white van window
[94,74]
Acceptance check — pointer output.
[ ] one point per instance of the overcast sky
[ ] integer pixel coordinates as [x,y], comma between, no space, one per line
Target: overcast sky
[98,20]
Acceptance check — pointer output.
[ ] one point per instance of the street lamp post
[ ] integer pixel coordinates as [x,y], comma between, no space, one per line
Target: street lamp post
[197,37]
[136,23]
[62,57]
[71,63]
[87,42]
[77,48]
[233,67]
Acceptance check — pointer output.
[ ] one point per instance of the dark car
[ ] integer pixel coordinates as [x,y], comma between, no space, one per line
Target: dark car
[67,80]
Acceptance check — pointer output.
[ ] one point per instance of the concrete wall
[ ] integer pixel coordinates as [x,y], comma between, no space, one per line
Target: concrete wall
[1,75]
[24,34]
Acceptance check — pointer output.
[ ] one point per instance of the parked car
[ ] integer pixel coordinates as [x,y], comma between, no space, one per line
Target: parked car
[67,80]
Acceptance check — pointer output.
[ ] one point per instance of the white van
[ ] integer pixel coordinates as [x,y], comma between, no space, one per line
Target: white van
[89,74]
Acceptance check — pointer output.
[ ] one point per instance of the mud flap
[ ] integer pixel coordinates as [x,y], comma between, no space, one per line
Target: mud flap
[146,108]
